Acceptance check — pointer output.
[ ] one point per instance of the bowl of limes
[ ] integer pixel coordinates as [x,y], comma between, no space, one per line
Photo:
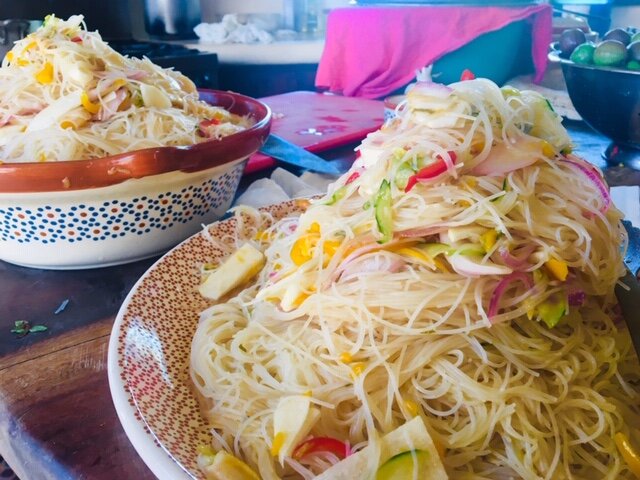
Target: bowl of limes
[603,81]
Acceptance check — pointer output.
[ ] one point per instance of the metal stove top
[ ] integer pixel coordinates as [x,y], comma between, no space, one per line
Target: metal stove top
[200,67]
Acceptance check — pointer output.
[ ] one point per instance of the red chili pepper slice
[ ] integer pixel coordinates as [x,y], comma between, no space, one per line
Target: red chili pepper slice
[432,170]
[322,444]
[211,121]
[352,177]
[467,75]
[77,39]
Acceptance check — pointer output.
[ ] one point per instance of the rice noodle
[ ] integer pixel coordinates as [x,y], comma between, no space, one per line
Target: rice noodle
[513,399]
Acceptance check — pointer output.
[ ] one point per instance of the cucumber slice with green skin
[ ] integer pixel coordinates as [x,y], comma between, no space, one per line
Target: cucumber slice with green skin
[384,213]
[552,310]
[402,175]
[405,466]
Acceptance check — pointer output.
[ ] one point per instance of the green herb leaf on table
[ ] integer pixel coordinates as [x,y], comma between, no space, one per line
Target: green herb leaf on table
[23,327]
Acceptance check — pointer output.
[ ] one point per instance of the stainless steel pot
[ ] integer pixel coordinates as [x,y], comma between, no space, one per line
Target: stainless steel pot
[14,29]
[171,18]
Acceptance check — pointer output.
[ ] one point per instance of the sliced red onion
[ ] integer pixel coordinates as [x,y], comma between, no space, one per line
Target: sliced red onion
[369,246]
[136,74]
[594,176]
[464,265]
[110,108]
[577,298]
[519,261]
[423,231]
[375,263]
[431,89]
[502,160]
[502,286]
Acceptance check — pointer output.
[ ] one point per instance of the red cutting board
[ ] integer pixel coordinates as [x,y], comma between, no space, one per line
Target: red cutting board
[318,122]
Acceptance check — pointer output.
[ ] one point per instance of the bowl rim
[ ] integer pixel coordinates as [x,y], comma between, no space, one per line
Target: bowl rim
[72,175]
[555,58]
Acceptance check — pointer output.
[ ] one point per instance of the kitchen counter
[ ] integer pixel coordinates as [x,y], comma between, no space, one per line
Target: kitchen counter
[276,53]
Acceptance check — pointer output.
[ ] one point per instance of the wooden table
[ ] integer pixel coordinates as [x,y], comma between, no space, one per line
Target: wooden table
[57,420]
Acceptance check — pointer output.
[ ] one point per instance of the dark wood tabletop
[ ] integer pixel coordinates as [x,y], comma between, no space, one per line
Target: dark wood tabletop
[57,420]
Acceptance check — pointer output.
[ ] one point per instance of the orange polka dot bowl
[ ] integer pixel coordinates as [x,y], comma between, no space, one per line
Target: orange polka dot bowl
[126,207]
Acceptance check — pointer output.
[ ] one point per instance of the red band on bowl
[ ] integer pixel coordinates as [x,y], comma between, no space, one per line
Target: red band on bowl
[106,171]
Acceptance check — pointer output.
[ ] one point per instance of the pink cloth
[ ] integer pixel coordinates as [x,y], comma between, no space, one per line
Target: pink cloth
[372,51]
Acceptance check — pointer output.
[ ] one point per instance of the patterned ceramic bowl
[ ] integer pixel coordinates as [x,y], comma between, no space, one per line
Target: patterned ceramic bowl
[118,209]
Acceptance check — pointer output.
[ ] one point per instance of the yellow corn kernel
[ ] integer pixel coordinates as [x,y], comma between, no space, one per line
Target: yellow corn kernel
[314,228]
[630,455]
[45,76]
[548,150]
[23,62]
[9,56]
[302,249]
[30,46]
[411,407]
[346,357]
[488,239]
[557,268]
[88,105]
[278,441]
[206,450]
[357,369]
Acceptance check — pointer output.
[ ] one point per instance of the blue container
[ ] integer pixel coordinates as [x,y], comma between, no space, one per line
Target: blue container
[498,56]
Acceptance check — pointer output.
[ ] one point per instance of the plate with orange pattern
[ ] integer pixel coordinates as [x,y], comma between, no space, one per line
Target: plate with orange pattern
[149,348]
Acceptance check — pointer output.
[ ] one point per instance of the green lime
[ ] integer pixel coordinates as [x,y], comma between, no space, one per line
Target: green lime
[633,49]
[610,53]
[633,65]
[583,54]
[619,34]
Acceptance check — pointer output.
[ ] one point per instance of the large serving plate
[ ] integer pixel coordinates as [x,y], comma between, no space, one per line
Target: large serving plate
[149,350]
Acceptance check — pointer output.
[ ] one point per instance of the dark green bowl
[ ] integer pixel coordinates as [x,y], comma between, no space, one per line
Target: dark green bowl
[608,99]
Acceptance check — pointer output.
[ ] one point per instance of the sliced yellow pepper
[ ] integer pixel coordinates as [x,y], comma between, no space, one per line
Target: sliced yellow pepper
[547,149]
[414,253]
[302,250]
[357,369]
[630,455]
[23,61]
[278,441]
[88,105]
[346,357]
[488,239]
[411,407]
[30,46]
[45,76]
[557,268]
